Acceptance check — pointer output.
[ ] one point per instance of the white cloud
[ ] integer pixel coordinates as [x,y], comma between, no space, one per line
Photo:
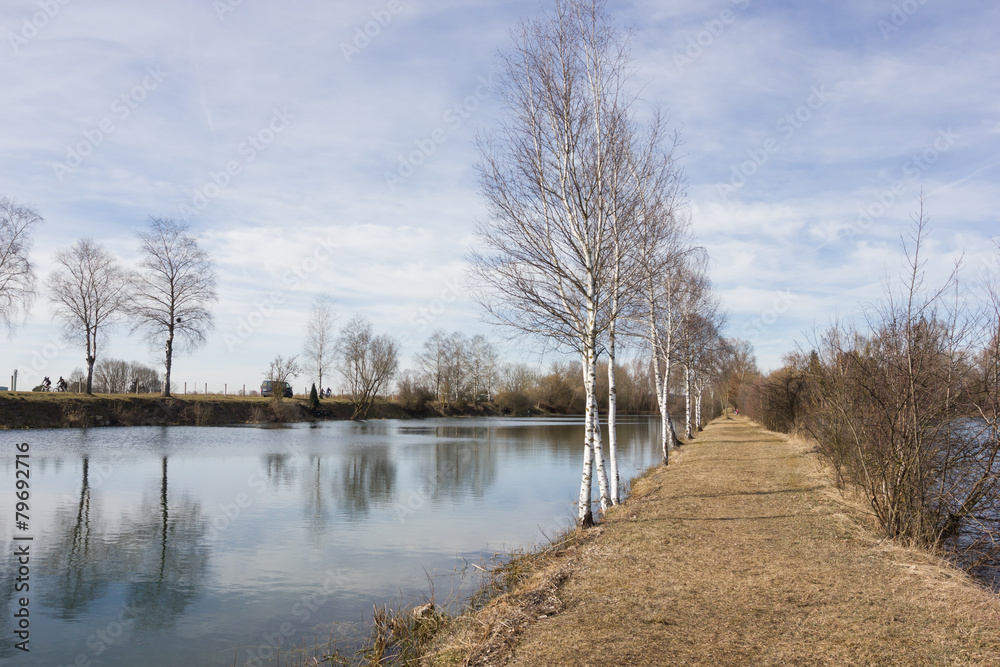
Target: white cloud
[793,227]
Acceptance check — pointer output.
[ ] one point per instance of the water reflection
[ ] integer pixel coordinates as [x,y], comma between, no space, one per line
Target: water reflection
[461,469]
[367,477]
[166,558]
[213,536]
[279,473]
[78,559]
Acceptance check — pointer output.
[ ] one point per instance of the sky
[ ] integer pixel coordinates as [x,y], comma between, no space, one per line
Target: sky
[328,147]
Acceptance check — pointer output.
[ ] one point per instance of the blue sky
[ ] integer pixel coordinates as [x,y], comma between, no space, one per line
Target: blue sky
[278,130]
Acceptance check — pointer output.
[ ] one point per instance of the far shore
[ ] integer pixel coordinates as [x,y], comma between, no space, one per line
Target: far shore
[38,410]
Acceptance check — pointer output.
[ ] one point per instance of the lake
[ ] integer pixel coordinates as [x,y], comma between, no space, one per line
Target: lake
[191,545]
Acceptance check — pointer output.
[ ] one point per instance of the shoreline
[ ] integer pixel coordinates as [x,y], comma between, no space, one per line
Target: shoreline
[37,410]
[43,410]
[741,551]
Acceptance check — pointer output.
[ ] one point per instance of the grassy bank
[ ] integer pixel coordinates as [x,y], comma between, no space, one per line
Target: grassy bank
[26,410]
[741,552]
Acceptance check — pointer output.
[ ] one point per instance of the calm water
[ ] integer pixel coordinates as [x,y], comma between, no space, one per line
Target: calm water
[166,546]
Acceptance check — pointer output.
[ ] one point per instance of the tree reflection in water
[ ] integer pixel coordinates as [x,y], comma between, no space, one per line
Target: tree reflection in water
[79,562]
[166,555]
[367,477]
[158,551]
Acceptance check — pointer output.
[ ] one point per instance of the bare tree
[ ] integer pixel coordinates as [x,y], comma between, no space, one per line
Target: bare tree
[280,372]
[320,347]
[111,376]
[650,188]
[174,287]
[143,379]
[484,367]
[17,276]
[550,177]
[368,363]
[77,381]
[435,363]
[89,293]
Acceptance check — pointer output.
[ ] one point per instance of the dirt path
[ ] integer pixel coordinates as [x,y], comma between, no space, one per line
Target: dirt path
[740,553]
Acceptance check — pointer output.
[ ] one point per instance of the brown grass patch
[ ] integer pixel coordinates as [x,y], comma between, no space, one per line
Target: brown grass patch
[742,552]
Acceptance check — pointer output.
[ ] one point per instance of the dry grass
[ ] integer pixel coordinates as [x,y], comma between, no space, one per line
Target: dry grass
[740,553]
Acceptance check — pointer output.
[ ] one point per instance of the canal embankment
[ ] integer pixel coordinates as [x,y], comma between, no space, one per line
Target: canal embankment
[31,410]
[741,552]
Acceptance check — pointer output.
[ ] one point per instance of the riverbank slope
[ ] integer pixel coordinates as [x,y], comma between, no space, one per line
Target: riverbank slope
[739,553]
[30,410]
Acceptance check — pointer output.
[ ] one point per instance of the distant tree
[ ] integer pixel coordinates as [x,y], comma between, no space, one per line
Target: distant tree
[143,379]
[174,287]
[368,363]
[281,371]
[89,293]
[77,381]
[17,276]
[112,376]
[313,398]
[484,367]
[321,339]
[433,363]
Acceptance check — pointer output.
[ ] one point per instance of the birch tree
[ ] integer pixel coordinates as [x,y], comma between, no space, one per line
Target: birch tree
[321,339]
[173,290]
[663,255]
[17,275]
[547,174]
[697,309]
[89,293]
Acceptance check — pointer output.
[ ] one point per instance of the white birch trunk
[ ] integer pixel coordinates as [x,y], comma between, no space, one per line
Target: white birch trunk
[612,419]
[595,427]
[584,514]
[670,440]
[688,405]
[697,410]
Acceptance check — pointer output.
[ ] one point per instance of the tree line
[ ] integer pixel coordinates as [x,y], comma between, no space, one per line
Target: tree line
[905,405]
[166,298]
[587,245]
[586,248]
